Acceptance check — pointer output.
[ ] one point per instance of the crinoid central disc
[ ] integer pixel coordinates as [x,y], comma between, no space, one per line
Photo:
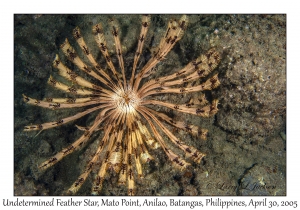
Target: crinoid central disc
[127,100]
